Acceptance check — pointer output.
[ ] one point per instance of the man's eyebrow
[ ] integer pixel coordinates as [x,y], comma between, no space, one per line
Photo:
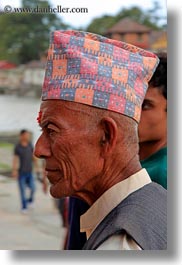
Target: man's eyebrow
[45,123]
[148,100]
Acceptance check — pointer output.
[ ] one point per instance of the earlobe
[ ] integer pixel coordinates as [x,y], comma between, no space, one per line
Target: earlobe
[109,135]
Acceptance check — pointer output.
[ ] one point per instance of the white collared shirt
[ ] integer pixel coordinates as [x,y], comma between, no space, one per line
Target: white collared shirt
[106,203]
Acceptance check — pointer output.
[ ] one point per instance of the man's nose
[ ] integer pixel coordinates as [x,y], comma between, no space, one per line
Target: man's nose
[42,148]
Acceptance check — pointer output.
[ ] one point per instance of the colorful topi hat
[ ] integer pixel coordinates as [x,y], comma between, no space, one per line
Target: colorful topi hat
[91,69]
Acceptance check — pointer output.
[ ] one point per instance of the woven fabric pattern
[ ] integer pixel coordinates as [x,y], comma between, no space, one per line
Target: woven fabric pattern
[94,70]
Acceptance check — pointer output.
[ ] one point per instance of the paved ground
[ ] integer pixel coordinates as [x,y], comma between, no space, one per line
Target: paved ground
[40,229]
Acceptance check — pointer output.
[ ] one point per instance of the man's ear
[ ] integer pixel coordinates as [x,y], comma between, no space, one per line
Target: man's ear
[109,136]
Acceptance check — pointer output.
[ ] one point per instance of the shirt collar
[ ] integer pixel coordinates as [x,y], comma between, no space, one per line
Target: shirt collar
[110,199]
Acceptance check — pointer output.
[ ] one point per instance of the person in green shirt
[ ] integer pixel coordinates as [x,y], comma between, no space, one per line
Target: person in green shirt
[153,126]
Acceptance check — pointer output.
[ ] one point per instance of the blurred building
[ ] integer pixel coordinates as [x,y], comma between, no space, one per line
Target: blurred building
[27,79]
[158,41]
[22,80]
[128,30]
[6,65]
[33,77]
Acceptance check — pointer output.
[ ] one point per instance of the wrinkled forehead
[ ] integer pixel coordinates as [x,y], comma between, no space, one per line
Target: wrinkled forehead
[49,105]
[50,108]
[58,106]
[47,109]
[61,109]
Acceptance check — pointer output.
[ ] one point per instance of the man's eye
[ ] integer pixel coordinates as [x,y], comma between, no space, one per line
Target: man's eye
[146,106]
[50,131]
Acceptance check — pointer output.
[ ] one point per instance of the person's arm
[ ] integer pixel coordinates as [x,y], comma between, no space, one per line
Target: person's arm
[15,166]
[36,164]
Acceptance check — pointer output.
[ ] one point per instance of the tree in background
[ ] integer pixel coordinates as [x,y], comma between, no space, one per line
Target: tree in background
[149,18]
[24,36]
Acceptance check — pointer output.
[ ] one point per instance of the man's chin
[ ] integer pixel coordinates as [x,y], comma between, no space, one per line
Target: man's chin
[57,192]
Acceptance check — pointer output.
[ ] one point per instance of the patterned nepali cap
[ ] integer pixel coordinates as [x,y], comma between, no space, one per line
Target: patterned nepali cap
[94,70]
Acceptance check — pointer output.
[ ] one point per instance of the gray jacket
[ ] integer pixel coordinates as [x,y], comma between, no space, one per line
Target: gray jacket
[142,215]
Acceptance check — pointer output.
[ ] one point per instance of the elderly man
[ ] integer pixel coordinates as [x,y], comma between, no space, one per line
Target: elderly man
[152,146]
[92,96]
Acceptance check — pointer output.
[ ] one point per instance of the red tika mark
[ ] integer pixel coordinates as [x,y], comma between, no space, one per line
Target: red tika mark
[39,117]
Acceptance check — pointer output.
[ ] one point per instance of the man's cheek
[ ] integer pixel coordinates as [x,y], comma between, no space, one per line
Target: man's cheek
[66,164]
[58,150]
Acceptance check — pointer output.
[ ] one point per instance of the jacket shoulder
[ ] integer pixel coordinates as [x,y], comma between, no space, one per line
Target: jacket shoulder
[142,215]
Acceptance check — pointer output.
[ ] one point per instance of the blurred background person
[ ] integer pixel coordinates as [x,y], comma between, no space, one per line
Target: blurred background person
[76,239]
[153,125]
[22,169]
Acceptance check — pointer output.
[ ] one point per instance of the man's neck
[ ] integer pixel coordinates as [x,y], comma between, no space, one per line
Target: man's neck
[111,178]
[149,148]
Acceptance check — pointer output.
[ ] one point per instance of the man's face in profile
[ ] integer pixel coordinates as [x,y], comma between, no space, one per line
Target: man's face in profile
[70,147]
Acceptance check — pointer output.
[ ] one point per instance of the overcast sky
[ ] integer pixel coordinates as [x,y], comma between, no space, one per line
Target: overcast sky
[96,8]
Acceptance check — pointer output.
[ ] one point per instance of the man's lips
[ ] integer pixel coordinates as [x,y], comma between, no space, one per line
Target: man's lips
[53,175]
